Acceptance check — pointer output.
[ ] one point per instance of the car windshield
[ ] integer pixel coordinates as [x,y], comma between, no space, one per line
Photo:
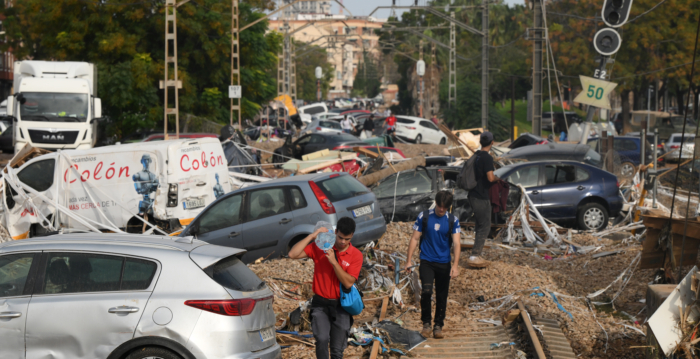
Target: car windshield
[342,187]
[688,138]
[54,107]
[592,158]
[344,137]
[403,120]
[231,273]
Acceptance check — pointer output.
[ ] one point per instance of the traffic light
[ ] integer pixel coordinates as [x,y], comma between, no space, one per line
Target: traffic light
[616,12]
[607,41]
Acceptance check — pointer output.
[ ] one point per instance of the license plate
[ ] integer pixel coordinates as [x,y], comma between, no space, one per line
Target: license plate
[362,211]
[191,203]
[266,334]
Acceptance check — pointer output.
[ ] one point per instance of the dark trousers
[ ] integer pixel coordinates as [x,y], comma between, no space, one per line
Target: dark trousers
[440,274]
[330,333]
[481,208]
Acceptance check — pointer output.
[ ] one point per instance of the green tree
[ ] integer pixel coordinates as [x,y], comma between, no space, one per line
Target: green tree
[126,40]
[366,82]
[306,73]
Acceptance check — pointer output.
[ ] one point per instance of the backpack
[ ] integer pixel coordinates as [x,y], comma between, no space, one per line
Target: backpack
[466,179]
[426,214]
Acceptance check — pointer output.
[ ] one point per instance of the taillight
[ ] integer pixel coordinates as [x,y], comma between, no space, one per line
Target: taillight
[660,145]
[334,175]
[323,200]
[618,184]
[675,146]
[318,129]
[231,307]
[410,128]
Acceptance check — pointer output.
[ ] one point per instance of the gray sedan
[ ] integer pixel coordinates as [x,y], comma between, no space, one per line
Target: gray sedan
[317,125]
[267,219]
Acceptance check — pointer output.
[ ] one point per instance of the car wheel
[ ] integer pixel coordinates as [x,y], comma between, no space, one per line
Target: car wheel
[419,138]
[627,170]
[443,141]
[152,352]
[592,216]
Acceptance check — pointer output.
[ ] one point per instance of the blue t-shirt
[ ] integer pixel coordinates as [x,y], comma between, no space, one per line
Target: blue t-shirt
[436,243]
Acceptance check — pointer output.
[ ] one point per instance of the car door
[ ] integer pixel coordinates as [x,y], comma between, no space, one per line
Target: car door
[627,149]
[39,175]
[221,223]
[530,178]
[316,143]
[86,304]
[269,222]
[426,131]
[404,195]
[17,273]
[563,190]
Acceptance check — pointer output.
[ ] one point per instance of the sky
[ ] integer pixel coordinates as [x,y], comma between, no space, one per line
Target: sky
[364,7]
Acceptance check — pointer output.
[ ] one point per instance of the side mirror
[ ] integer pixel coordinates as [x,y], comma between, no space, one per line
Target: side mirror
[96,119]
[21,99]
[11,106]
[97,108]
[194,229]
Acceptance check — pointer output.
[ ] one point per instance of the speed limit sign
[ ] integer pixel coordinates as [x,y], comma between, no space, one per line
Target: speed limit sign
[595,92]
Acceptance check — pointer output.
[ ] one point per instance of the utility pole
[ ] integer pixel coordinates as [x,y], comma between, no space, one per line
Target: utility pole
[433,79]
[512,108]
[171,65]
[235,63]
[420,81]
[292,71]
[537,70]
[485,65]
[452,79]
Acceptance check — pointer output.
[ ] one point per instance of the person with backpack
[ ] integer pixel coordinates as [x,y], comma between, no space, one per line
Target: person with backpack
[435,232]
[479,199]
[336,267]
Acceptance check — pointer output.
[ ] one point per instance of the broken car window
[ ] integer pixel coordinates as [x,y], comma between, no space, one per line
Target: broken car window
[413,182]
[13,273]
[38,175]
[526,177]
[222,214]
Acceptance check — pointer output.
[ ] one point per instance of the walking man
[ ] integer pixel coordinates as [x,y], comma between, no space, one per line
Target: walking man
[435,231]
[330,323]
[346,124]
[368,128]
[479,199]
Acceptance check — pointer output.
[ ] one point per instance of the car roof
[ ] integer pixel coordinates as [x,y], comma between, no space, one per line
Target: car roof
[293,180]
[411,118]
[95,241]
[549,147]
[548,162]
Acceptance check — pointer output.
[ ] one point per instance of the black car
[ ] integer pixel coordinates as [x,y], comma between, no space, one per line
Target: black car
[557,152]
[554,121]
[6,141]
[527,139]
[314,142]
[402,199]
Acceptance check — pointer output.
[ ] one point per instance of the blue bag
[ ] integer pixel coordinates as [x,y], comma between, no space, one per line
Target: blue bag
[351,300]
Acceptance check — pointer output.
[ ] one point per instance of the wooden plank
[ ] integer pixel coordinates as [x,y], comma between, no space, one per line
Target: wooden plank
[677,226]
[385,304]
[382,315]
[323,165]
[315,155]
[366,152]
[385,159]
[531,331]
[653,258]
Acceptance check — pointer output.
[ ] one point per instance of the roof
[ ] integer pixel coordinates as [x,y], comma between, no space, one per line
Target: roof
[292,180]
[548,162]
[550,147]
[137,146]
[101,239]
[411,118]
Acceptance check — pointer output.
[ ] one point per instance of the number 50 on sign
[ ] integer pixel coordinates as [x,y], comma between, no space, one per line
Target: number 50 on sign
[595,92]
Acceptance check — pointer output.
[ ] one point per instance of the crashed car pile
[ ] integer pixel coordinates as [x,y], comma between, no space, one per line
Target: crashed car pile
[571,244]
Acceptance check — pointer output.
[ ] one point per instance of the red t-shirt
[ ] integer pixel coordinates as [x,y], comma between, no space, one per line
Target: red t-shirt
[326,283]
[391,121]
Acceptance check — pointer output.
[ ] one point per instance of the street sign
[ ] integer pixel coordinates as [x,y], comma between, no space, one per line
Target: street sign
[595,92]
[234,92]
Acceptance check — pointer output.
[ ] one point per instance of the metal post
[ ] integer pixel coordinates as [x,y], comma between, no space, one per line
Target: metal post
[591,110]
[235,64]
[485,65]
[642,140]
[171,65]
[656,163]
[318,90]
[452,80]
[512,108]
[648,103]
[433,80]
[420,82]
[537,70]
[292,71]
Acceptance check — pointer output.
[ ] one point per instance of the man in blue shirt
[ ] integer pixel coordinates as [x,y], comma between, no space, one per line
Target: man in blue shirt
[435,235]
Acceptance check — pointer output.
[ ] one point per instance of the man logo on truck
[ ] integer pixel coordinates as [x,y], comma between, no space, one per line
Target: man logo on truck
[218,189]
[146,183]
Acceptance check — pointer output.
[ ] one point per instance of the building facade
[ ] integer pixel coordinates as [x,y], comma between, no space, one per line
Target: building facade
[345,38]
[306,7]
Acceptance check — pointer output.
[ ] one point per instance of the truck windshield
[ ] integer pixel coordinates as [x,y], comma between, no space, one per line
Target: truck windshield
[54,107]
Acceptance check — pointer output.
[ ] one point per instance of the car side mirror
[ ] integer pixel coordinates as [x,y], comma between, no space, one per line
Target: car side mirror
[194,229]
[21,99]
[97,119]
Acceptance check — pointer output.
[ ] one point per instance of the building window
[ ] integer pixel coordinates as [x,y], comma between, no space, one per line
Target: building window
[338,75]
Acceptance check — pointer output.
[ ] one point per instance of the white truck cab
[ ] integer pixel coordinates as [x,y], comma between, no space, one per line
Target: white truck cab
[54,105]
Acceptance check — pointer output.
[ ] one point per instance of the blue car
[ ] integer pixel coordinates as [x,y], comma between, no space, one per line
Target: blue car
[567,191]
[628,147]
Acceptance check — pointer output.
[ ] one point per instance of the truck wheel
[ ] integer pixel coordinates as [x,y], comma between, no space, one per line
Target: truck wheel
[592,216]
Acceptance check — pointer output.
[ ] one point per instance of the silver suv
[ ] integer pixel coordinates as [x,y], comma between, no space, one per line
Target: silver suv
[130,296]
[268,218]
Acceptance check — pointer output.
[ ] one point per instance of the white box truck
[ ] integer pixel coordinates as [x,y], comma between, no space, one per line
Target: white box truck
[108,187]
[54,105]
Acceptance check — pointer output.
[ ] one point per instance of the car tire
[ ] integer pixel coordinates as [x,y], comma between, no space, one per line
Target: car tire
[443,141]
[592,216]
[152,352]
[627,170]
[419,138]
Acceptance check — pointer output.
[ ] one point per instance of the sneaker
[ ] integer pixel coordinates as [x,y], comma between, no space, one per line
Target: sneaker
[478,262]
[426,330]
[437,333]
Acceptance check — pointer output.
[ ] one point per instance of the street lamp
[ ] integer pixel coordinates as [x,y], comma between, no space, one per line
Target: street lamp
[319,74]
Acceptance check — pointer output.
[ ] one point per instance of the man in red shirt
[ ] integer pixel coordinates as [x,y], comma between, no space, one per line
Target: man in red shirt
[390,124]
[330,323]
